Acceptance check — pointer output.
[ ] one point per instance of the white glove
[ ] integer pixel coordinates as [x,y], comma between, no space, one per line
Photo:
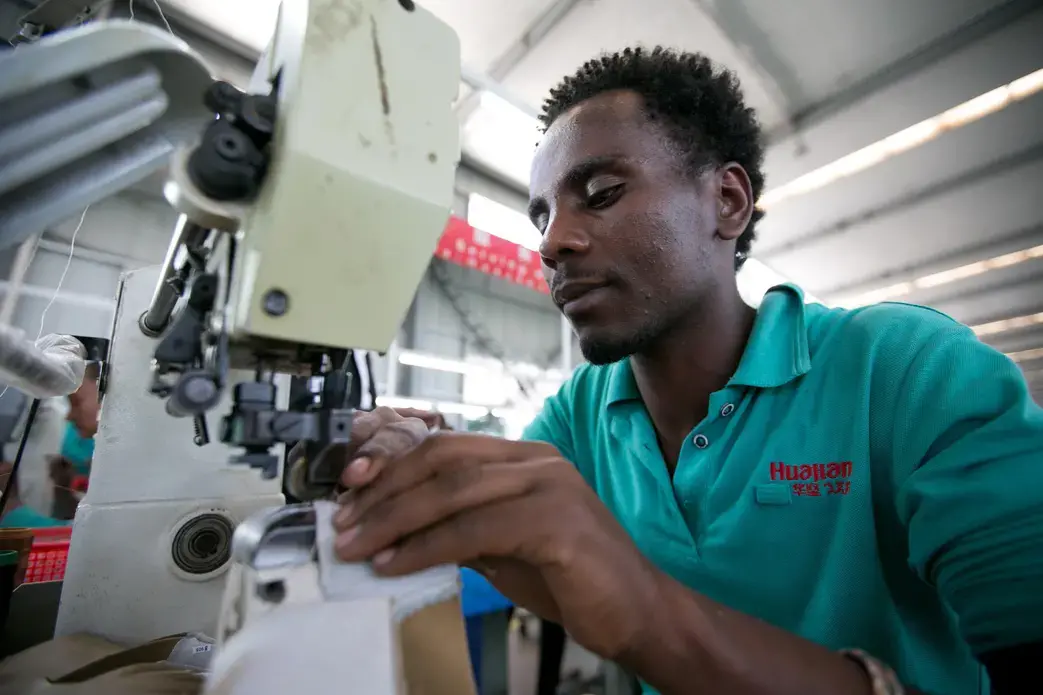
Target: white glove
[51,367]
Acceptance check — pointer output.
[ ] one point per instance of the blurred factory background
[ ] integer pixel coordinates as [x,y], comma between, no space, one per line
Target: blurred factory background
[905,163]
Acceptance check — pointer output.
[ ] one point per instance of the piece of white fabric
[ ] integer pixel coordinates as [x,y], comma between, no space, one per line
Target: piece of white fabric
[345,581]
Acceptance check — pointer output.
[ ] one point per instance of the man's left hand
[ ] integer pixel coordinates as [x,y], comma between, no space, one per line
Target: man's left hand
[515,511]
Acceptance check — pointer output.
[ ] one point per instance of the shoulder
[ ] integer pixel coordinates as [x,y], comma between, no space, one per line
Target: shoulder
[893,324]
[887,339]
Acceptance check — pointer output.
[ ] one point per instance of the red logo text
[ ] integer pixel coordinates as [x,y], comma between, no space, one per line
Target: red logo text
[822,478]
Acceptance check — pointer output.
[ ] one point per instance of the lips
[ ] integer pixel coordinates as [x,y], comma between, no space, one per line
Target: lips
[571,291]
[575,297]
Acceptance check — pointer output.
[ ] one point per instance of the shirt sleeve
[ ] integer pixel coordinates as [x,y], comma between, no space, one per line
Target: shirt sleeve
[553,424]
[968,463]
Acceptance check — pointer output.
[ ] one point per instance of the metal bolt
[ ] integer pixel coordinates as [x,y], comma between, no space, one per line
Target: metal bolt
[276,302]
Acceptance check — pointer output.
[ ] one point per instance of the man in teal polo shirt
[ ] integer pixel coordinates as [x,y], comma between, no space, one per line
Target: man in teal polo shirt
[792,500]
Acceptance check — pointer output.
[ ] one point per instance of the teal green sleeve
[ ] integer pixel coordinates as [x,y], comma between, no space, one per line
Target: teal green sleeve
[968,458]
[25,517]
[554,424]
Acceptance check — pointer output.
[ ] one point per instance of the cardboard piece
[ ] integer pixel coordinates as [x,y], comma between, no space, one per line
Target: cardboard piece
[435,659]
[87,665]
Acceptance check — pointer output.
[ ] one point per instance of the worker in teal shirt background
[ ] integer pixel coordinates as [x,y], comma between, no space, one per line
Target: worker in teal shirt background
[70,469]
[791,500]
[16,514]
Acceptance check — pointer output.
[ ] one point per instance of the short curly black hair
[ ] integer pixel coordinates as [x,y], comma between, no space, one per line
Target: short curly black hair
[700,103]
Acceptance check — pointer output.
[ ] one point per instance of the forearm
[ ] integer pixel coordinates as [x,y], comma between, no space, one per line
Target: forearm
[695,646]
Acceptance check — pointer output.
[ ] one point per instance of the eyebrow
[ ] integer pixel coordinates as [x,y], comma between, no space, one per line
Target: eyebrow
[577,176]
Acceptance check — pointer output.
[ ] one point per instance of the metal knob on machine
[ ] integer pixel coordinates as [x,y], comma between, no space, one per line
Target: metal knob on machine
[194,393]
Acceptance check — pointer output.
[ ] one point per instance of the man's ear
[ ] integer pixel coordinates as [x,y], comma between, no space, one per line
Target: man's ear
[735,201]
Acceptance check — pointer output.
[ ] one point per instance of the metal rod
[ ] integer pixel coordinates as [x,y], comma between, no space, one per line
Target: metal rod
[165,297]
[22,260]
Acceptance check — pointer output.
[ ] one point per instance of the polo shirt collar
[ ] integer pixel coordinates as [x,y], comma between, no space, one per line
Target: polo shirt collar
[776,354]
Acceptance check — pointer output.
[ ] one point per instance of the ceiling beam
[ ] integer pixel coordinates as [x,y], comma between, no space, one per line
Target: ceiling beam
[996,246]
[485,83]
[537,30]
[906,202]
[990,21]
[774,72]
[1017,341]
[1023,300]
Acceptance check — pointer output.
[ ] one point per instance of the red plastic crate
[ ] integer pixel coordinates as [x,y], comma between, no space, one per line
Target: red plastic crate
[48,555]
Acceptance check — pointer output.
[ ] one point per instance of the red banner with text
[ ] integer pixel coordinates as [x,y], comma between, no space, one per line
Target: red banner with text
[472,248]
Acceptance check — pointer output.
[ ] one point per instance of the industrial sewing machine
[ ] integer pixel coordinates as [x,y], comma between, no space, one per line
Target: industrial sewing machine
[309,209]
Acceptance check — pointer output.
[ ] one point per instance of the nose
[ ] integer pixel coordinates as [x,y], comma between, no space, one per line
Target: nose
[564,236]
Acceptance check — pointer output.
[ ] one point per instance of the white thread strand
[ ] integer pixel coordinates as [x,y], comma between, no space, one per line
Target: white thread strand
[164,18]
[61,280]
[58,289]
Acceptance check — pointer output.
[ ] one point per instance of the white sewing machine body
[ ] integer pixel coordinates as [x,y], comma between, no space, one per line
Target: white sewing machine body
[150,483]
[355,149]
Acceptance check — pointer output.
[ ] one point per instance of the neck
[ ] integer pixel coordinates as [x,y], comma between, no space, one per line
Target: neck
[694,359]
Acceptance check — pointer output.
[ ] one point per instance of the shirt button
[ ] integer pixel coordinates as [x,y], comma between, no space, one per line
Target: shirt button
[700,441]
[727,410]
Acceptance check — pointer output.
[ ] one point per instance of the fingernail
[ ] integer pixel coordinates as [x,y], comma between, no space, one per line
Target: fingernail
[346,538]
[359,466]
[384,556]
[344,515]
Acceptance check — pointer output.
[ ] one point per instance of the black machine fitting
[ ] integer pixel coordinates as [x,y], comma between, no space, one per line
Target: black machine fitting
[227,165]
[223,99]
[255,424]
[231,160]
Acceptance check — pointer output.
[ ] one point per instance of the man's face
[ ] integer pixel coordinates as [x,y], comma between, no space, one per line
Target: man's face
[628,237]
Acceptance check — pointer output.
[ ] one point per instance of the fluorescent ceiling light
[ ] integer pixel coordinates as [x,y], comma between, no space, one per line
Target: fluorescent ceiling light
[397,402]
[907,139]
[502,221]
[502,137]
[943,277]
[476,367]
[250,22]
[471,412]
[1006,325]
[439,364]
[1026,355]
